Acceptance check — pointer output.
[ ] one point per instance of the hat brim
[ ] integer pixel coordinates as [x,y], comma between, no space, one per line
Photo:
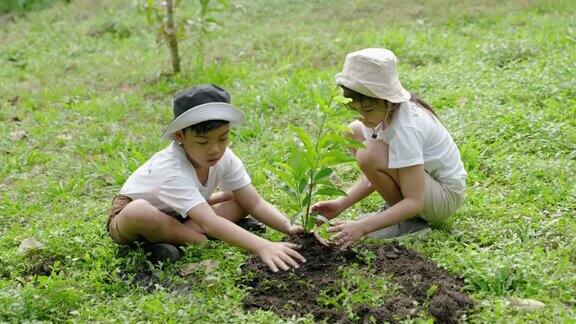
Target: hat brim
[204,112]
[395,94]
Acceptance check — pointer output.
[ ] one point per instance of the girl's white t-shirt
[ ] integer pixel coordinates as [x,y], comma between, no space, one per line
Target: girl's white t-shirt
[169,182]
[414,137]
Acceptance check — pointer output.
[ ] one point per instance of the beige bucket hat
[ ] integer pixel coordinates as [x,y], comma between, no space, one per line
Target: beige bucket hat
[372,72]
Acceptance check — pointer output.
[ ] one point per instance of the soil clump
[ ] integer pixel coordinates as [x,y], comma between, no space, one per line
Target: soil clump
[425,288]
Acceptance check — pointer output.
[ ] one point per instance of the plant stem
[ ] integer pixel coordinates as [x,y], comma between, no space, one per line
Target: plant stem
[313,171]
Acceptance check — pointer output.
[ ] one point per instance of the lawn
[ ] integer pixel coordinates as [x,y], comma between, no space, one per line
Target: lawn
[85,93]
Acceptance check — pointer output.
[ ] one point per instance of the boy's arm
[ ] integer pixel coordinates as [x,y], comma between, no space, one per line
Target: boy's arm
[262,210]
[275,255]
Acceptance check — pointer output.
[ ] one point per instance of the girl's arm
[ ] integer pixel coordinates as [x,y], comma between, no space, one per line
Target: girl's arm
[262,210]
[332,208]
[360,190]
[412,184]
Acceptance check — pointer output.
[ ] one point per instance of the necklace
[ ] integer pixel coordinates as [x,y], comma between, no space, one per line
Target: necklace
[375,133]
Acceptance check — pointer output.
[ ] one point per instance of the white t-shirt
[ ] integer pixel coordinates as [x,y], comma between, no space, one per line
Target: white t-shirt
[415,137]
[169,182]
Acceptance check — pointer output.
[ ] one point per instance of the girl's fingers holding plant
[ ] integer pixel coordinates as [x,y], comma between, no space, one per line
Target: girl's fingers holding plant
[320,239]
[337,238]
[337,227]
[346,245]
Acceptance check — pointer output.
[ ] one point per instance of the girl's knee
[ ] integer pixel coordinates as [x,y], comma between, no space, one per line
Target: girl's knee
[355,131]
[373,157]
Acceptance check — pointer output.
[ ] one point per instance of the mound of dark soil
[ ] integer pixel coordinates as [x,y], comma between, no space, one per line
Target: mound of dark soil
[424,285]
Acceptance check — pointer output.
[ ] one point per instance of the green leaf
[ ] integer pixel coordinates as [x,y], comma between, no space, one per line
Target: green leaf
[330,139]
[300,162]
[283,175]
[303,184]
[352,143]
[323,173]
[305,138]
[334,157]
[340,100]
[324,181]
[306,200]
[310,223]
[296,217]
[431,291]
[330,191]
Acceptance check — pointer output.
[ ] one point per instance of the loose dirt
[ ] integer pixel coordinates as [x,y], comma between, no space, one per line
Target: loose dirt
[425,288]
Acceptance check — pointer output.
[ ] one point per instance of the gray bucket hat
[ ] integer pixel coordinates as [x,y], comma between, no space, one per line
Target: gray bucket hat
[201,103]
[373,72]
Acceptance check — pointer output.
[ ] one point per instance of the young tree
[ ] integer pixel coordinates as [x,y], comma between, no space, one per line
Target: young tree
[176,20]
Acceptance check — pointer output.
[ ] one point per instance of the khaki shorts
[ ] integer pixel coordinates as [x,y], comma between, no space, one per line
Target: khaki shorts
[442,199]
[118,204]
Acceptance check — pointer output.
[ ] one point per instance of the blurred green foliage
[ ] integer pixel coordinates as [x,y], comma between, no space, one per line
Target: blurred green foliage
[25,5]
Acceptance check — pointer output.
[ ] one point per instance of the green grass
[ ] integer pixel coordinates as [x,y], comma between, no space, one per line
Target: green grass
[87,84]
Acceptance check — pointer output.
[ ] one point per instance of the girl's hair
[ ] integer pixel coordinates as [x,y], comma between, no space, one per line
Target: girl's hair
[362,99]
[205,126]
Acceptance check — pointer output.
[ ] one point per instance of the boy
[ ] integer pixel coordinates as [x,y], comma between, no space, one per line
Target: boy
[168,200]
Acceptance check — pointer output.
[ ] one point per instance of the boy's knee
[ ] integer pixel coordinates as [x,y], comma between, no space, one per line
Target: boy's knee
[139,211]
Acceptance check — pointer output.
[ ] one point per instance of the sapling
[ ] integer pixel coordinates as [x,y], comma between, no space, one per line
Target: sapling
[162,14]
[306,175]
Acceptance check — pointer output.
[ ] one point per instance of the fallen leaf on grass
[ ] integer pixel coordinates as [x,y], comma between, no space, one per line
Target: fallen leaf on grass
[36,170]
[207,265]
[65,136]
[30,244]
[18,135]
[14,100]
[527,304]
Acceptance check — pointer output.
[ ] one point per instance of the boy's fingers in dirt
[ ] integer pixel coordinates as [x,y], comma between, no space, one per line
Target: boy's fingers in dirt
[280,263]
[295,254]
[291,262]
[271,265]
[292,245]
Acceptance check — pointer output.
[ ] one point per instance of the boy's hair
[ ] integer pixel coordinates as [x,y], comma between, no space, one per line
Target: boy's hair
[362,99]
[205,126]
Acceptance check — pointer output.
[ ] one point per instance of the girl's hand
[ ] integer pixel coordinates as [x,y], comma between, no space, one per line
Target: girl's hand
[280,255]
[347,232]
[329,208]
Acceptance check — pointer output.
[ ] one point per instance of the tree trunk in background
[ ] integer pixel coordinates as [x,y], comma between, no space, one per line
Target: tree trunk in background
[171,35]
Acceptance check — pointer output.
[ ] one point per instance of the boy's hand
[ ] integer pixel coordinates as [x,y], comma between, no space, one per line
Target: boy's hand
[280,255]
[295,230]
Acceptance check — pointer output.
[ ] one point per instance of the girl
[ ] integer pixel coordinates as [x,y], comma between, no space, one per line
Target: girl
[408,157]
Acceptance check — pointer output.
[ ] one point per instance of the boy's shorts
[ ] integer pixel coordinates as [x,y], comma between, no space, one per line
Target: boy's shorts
[118,203]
